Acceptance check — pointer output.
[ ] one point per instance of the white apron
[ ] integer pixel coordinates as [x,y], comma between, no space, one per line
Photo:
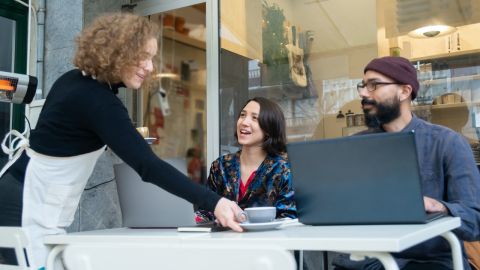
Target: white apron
[52,190]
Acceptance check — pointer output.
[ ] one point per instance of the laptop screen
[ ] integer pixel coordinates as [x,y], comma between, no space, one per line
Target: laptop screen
[369,179]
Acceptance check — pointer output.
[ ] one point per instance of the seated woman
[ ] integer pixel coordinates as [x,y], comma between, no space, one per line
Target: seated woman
[258,174]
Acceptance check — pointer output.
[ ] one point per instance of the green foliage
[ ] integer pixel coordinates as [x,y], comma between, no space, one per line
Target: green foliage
[275,54]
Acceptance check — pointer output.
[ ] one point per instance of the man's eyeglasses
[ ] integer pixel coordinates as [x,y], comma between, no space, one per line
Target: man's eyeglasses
[372,85]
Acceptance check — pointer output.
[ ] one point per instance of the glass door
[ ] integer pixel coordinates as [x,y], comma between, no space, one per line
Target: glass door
[13,22]
[173,104]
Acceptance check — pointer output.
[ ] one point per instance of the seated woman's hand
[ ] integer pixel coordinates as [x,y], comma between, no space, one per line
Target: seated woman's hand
[226,212]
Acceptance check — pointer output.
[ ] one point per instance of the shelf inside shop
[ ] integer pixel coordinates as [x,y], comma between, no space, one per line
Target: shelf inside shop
[451,79]
[444,55]
[444,106]
[178,37]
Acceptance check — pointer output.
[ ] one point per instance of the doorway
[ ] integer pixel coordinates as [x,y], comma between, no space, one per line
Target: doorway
[174,102]
[13,51]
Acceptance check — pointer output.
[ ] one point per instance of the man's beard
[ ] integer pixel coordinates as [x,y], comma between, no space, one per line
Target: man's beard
[386,112]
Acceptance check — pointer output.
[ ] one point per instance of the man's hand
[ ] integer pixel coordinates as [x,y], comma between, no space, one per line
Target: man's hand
[432,205]
[226,212]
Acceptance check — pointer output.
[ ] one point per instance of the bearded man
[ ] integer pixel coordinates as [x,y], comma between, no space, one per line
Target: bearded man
[450,177]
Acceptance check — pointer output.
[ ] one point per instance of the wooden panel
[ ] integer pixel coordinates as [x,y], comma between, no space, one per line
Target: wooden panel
[241,24]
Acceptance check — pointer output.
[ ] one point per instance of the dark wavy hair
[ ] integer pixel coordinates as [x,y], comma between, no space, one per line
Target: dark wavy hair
[112,42]
[272,123]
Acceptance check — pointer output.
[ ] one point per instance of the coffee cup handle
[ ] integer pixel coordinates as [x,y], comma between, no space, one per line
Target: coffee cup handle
[242,217]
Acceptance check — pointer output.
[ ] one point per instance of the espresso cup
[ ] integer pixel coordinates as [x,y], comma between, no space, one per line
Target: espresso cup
[260,214]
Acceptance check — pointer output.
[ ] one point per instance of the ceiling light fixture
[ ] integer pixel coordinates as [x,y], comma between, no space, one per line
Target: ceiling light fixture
[432,31]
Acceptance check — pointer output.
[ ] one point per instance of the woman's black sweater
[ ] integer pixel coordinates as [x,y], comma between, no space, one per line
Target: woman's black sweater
[80,115]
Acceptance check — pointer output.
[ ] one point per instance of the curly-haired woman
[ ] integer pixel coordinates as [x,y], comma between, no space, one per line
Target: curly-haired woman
[81,116]
[258,174]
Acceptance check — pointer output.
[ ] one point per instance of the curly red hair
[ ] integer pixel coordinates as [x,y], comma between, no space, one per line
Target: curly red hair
[113,42]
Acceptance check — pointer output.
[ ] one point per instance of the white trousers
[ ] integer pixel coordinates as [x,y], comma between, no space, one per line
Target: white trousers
[52,190]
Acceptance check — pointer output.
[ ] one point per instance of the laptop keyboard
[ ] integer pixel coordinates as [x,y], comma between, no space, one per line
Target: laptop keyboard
[435,215]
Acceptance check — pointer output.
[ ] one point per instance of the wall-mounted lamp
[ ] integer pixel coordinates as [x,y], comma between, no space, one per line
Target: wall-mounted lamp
[432,31]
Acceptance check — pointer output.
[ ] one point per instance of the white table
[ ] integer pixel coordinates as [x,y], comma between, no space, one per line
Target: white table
[375,241]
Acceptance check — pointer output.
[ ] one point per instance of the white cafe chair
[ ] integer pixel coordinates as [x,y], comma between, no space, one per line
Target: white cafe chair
[14,237]
[121,256]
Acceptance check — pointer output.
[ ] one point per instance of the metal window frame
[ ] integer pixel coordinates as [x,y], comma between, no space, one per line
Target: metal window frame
[146,8]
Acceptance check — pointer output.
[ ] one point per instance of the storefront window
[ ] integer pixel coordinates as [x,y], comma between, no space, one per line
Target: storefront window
[7,55]
[308,56]
[174,102]
[13,22]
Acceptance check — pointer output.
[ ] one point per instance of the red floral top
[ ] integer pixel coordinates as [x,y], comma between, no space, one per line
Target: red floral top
[270,185]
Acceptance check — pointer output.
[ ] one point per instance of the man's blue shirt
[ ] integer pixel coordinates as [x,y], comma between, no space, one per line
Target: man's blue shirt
[450,175]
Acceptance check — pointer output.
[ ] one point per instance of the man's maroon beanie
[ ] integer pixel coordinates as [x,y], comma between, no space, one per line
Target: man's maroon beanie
[397,68]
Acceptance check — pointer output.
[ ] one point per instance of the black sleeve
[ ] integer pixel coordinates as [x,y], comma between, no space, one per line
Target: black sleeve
[111,122]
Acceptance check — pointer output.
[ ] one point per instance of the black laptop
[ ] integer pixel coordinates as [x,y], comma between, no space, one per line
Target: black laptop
[368,179]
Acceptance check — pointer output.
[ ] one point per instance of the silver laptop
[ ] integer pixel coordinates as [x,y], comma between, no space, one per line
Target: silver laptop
[368,179]
[145,205]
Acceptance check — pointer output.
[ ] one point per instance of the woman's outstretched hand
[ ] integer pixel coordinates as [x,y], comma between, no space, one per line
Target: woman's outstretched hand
[226,212]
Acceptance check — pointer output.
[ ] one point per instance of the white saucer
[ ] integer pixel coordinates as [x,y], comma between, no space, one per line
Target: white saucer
[150,140]
[261,226]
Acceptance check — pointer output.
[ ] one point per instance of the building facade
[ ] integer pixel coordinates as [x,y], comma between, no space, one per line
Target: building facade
[307,55]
